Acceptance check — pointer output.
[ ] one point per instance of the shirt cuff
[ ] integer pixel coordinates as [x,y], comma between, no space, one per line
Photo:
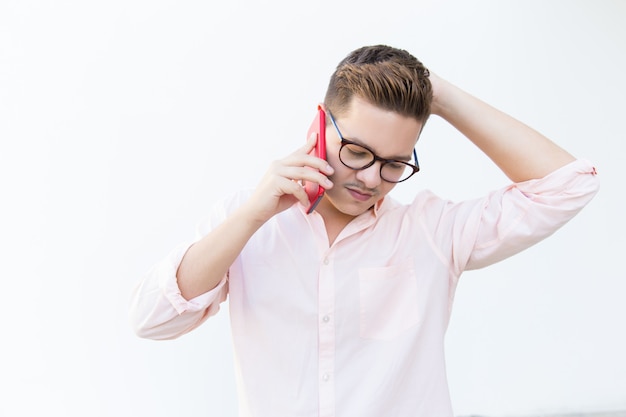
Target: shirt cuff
[569,176]
[171,291]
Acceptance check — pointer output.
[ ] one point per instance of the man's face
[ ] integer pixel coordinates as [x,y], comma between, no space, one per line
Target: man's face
[388,134]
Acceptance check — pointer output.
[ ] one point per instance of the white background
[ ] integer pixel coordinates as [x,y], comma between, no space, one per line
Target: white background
[121,122]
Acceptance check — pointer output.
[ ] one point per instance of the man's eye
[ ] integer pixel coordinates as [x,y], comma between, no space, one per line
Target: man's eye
[395,166]
[359,153]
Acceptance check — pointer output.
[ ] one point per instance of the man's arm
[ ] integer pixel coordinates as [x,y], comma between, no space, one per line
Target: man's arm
[518,150]
[206,262]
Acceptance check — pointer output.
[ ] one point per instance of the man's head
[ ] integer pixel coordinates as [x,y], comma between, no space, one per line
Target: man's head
[389,78]
[379,99]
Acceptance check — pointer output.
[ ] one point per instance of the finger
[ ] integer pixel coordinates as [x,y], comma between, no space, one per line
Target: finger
[305,157]
[300,159]
[295,189]
[300,174]
[301,195]
[310,143]
[317,164]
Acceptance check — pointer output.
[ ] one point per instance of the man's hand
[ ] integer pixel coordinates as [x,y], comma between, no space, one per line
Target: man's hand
[281,186]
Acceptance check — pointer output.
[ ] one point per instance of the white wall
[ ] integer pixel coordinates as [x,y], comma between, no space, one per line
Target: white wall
[122,121]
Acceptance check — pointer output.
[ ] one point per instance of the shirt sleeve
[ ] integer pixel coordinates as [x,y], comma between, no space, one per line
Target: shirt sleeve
[157,308]
[481,232]
[159,311]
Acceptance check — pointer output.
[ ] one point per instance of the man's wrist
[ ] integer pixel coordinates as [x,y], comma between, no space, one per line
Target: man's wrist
[438,85]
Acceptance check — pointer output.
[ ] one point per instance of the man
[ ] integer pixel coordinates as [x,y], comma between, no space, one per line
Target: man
[343,312]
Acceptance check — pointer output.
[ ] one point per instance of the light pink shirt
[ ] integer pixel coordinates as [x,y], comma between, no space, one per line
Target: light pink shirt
[357,328]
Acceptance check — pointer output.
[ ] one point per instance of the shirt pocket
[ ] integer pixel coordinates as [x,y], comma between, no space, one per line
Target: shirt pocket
[388,300]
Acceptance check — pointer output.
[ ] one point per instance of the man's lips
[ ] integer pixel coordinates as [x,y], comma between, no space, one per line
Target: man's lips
[359,195]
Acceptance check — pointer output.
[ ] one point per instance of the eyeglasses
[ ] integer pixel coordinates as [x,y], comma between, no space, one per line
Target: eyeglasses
[359,157]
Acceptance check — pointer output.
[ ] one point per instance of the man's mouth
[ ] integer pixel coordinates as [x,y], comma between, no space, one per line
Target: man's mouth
[359,194]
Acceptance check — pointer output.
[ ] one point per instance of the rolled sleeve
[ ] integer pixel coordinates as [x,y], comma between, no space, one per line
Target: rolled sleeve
[522,214]
[158,309]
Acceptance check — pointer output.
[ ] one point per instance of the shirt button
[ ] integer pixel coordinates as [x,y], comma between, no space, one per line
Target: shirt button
[325,377]
[326,261]
[325,319]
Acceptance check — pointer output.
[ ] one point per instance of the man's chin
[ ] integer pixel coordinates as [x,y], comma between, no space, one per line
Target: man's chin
[345,204]
[353,208]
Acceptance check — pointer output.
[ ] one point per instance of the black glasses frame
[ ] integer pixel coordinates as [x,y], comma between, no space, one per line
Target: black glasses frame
[415,168]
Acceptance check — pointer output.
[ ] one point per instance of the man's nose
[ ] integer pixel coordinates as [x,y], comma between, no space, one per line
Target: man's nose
[370,176]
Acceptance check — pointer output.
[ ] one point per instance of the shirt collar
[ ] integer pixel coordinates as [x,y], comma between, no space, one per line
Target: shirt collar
[377,209]
[380,207]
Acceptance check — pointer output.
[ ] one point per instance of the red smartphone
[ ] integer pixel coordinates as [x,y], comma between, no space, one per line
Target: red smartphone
[313,189]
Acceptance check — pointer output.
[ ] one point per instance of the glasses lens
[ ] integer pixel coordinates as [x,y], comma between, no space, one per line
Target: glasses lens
[355,156]
[395,171]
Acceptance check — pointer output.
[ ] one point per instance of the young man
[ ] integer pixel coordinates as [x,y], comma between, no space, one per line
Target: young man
[343,312]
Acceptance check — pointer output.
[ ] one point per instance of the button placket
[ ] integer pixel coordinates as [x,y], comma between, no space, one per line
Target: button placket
[326,337]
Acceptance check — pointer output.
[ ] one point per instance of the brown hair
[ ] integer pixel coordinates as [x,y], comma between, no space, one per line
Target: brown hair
[387,77]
